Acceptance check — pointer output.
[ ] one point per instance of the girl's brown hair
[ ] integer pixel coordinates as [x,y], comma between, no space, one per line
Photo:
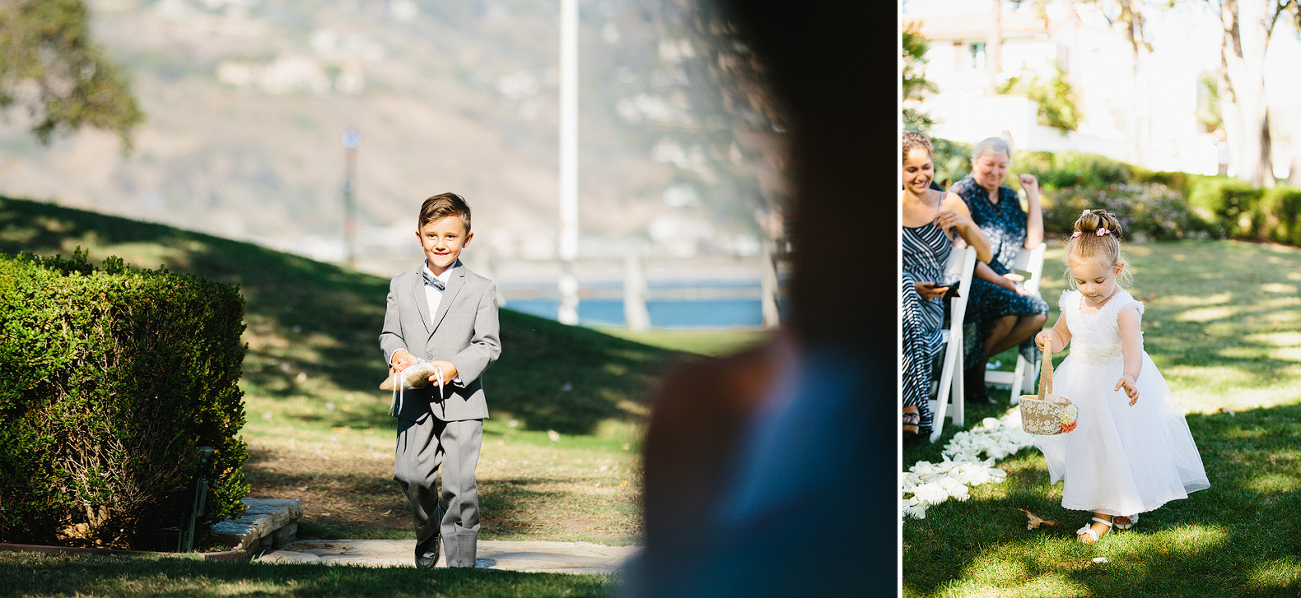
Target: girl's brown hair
[1097,232]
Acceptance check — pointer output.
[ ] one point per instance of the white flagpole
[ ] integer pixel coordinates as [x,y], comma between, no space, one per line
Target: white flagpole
[568,160]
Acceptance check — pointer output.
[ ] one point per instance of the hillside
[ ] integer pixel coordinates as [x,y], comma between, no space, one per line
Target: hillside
[313,327]
[560,459]
[246,101]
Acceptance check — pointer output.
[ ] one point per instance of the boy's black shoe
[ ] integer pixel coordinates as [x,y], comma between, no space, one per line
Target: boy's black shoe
[973,381]
[427,550]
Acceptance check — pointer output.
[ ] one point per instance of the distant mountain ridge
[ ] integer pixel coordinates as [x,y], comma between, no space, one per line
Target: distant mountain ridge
[246,101]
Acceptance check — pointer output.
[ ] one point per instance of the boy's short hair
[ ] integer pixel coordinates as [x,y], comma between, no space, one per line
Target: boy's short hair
[443,205]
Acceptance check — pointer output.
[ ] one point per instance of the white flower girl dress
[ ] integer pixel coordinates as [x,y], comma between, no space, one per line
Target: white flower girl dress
[1120,459]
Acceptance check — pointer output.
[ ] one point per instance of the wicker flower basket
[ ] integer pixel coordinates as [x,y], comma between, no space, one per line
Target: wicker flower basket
[1046,413]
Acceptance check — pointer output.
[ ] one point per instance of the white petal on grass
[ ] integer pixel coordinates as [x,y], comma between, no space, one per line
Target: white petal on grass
[962,468]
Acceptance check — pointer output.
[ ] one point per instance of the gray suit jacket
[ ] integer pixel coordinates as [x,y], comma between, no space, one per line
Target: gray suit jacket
[464,331]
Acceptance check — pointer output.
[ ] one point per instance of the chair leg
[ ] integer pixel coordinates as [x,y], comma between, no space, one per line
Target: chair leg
[941,395]
[959,385]
[1018,379]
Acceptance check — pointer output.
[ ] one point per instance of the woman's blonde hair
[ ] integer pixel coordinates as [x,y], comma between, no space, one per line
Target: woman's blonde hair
[1097,233]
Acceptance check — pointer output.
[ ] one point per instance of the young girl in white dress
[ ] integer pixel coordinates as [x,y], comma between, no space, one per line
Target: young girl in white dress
[1131,451]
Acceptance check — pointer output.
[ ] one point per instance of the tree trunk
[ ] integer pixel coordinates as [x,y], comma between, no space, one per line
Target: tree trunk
[994,46]
[1140,118]
[1294,171]
[1244,108]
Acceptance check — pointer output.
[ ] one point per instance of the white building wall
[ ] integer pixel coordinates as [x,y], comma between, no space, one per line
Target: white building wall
[1038,56]
[1157,112]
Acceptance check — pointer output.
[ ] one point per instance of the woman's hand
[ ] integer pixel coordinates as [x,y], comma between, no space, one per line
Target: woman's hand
[930,290]
[1031,185]
[1009,281]
[948,220]
[1127,382]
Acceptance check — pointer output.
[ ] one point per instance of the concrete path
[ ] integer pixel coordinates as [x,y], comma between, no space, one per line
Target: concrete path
[535,557]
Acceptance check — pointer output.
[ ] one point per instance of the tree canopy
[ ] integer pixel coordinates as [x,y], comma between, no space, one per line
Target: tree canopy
[914,82]
[1055,97]
[50,67]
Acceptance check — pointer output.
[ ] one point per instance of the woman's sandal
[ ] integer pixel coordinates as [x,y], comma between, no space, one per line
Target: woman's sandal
[1128,521]
[911,421]
[1087,531]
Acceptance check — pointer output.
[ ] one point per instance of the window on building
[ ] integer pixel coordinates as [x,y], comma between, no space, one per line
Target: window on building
[977,51]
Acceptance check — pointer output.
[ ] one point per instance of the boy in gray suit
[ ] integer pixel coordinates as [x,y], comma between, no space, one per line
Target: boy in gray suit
[441,312]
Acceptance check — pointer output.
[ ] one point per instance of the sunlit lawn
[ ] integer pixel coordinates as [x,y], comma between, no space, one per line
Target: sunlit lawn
[1223,324]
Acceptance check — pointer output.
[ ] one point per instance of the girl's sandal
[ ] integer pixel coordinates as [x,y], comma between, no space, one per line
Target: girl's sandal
[1124,521]
[1087,531]
[911,421]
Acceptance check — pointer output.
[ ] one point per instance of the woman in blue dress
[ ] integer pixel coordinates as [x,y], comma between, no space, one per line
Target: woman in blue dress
[1003,313]
[932,225]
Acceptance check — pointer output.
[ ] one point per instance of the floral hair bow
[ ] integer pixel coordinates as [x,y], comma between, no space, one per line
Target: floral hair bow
[1100,232]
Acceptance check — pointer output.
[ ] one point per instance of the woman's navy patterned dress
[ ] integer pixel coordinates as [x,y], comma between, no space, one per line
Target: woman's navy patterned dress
[1005,226]
[925,252]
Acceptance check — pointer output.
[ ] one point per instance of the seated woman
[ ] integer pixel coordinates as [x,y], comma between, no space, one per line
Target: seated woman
[932,225]
[1002,312]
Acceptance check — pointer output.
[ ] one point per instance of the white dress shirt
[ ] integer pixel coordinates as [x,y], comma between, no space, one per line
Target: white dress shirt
[432,294]
[435,297]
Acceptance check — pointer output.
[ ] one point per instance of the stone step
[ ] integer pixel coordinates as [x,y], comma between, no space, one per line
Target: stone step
[529,556]
[267,524]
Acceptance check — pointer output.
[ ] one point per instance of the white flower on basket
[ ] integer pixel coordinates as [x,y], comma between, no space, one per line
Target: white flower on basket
[1069,414]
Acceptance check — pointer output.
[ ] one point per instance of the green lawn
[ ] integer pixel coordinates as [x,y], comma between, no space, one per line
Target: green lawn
[561,452]
[1223,324]
[30,575]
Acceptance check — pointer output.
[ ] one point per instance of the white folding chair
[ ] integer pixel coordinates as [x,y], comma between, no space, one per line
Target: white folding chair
[1031,264]
[948,396]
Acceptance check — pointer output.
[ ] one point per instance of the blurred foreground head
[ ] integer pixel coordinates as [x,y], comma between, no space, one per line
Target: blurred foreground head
[774,472]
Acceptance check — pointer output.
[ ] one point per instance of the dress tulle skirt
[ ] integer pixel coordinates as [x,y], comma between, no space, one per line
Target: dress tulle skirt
[1121,459]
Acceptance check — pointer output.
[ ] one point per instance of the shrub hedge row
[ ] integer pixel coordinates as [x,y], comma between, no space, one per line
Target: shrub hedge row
[1161,205]
[110,379]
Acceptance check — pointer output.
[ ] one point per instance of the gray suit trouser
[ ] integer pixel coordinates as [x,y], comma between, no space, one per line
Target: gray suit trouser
[423,448]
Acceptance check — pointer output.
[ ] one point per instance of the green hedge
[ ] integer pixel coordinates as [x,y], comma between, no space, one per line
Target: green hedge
[1063,170]
[110,378]
[1054,170]
[1160,204]
[1149,209]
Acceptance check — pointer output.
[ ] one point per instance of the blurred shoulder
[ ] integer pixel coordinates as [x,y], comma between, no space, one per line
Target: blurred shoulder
[963,187]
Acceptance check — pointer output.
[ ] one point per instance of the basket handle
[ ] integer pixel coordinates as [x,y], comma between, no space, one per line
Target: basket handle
[1046,372]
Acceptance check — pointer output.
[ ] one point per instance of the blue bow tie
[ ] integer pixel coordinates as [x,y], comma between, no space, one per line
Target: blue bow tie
[433,280]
